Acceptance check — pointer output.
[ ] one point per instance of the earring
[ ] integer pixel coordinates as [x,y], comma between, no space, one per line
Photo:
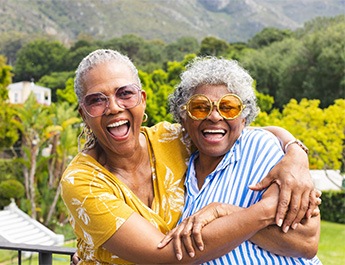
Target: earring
[145,117]
[90,139]
[183,129]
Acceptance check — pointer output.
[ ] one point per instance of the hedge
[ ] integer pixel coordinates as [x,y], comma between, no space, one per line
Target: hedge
[332,207]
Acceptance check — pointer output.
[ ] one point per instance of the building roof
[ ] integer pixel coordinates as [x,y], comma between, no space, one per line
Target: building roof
[327,179]
[19,92]
[18,227]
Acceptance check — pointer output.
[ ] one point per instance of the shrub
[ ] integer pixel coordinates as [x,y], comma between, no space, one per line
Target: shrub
[333,206]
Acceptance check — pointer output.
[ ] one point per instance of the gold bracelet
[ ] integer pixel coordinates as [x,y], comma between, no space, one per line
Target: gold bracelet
[299,143]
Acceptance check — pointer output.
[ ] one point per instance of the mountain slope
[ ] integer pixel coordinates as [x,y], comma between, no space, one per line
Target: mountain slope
[231,20]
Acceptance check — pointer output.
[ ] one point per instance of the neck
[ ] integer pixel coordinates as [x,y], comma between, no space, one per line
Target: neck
[205,166]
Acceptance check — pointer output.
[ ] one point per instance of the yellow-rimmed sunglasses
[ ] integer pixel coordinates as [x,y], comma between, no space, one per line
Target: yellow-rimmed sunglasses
[199,106]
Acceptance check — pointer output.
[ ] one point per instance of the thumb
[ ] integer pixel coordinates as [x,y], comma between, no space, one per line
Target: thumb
[264,183]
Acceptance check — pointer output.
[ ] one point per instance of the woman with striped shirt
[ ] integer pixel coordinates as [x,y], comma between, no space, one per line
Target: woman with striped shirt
[215,102]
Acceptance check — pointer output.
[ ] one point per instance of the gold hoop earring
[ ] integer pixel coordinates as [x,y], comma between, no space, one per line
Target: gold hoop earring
[145,117]
[90,139]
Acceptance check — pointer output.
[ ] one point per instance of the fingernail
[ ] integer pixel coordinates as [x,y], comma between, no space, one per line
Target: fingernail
[286,229]
[191,254]
[201,248]
[178,256]
[294,226]
[280,222]
[159,245]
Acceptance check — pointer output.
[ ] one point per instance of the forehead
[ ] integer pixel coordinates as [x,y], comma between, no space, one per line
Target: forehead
[107,75]
[212,91]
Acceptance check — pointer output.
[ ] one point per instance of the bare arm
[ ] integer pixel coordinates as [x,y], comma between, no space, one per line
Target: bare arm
[294,180]
[219,237]
[302,242]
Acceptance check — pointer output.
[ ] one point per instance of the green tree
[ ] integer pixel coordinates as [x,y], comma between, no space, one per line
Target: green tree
[67,94]
[308,65]
[39,58]
[267,36]
[214,46]
[31,120]
[5,78]
[61,147]
[322,130]
[177,50]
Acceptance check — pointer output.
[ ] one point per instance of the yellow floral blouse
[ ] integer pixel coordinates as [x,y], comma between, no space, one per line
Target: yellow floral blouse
[99,203]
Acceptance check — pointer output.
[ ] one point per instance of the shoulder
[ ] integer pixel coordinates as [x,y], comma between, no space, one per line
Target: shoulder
[164,130]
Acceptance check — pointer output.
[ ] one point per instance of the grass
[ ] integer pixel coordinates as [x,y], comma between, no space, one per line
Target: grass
[331,248]
[332,243]
[9,257]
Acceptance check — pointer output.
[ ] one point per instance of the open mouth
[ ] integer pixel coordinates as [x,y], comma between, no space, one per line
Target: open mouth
[119,129]
[219,133]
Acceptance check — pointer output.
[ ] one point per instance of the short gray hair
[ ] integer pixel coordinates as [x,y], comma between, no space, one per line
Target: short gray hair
[95,58]
[214,71]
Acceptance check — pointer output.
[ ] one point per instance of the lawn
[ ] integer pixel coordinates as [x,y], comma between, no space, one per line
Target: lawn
[331,248]
[332,243]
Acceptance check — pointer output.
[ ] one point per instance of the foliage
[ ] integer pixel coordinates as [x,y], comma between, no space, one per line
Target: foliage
[333,206]
[267,36]
[67,94]
[308,65]
[322,130]
[5,78]
[8,132]
[214,46]
[38,58]
[10,189]
[55,81]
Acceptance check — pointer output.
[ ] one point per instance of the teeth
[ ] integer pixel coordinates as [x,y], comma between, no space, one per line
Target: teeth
[118,123]
[214,131]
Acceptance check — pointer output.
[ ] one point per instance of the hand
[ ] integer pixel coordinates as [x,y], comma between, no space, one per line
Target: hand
[189,231]
[75,259]
[296,198]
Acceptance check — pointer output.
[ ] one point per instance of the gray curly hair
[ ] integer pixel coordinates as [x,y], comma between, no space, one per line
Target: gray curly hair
[214,71]
[95,58]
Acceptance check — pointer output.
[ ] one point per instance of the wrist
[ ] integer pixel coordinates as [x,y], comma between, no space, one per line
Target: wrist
[297,143]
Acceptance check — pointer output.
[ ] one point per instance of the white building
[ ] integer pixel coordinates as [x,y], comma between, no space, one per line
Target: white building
[18,227]
[19,92]
[327,179]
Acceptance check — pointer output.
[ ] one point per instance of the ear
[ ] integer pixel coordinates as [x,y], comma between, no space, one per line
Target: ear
[143,98]
[82,114]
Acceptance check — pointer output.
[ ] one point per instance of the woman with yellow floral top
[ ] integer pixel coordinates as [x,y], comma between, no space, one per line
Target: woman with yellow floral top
[124,190]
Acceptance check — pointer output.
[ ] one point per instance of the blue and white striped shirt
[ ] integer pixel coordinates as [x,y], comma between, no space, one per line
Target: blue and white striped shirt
[250,159]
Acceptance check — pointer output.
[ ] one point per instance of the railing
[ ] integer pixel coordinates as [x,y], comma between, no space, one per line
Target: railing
[45,253]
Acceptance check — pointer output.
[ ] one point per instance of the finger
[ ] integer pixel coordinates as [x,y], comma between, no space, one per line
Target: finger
[264,183]
[283,205]
[303,210]
[177,247]
[187,239]
[165,241]
[293,208]
[75,259]
[197,236]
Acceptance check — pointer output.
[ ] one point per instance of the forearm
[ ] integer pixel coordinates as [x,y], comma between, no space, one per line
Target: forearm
[301,242]
[226,233]
[284,136]
[220,237]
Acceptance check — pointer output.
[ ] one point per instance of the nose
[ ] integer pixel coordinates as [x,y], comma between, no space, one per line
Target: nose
[113,107]
[214,115]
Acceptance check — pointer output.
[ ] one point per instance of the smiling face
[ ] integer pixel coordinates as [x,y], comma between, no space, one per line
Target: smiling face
[215,135]
[118,129]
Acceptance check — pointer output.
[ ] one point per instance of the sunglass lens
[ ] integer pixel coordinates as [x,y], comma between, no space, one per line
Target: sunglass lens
[199,107]
[127,96]
[230,107]
[95,104]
